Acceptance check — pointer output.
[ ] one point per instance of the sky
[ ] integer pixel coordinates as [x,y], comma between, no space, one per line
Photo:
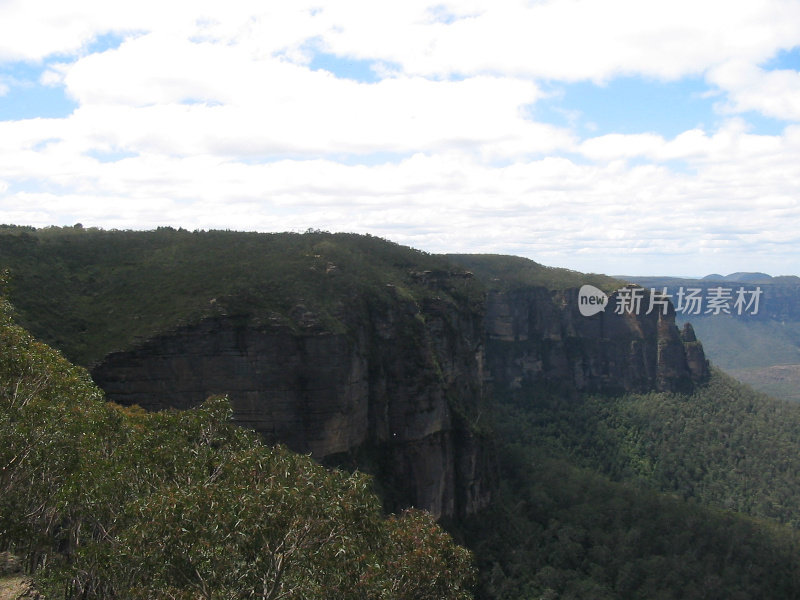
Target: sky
[617,136]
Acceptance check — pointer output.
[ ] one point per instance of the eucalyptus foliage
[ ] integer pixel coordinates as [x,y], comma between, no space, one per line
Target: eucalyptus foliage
[109,502]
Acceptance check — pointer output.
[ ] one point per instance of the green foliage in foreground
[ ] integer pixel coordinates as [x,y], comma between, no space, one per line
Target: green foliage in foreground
[105,502]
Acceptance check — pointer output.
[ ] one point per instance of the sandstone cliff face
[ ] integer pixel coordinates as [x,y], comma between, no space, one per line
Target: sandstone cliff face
[536,336]
[400,389]
[390,386]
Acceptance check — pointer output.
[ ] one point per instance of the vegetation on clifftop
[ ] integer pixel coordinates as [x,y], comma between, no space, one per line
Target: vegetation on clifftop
[89,292]
[501,272]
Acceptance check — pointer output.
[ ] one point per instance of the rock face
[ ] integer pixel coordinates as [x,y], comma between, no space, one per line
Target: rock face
[399,391]
[391,388]
[536,336]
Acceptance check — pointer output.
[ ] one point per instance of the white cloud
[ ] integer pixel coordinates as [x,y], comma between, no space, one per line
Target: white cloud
[730,144]
[552,209]
[208,115]
[748,87]
[566,39]
[618,145]
[32,30]
[167,94]
[562,39]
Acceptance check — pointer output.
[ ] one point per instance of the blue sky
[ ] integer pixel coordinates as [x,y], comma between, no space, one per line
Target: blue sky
[26,98]
[619,137]
[361,70]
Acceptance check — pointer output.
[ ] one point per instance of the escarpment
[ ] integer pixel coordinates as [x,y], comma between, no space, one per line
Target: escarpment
[402,388]
[395,389]
[359,351]
[538,336]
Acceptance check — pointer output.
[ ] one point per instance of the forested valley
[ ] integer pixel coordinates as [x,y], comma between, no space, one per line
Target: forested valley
[567,493]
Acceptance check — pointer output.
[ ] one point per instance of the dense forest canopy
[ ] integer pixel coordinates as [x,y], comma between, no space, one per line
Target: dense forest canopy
[644,496]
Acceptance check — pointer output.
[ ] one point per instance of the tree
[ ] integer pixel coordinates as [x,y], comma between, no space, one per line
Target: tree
[119,503]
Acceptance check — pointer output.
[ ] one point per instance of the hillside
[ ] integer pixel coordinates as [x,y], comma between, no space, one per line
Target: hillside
[578,457]
[90,292]
[657,495]
[501,272]
[357,350]
[779,381]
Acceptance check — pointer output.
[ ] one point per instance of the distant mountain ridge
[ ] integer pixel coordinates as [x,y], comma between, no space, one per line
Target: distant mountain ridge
[779,297]
[740,277]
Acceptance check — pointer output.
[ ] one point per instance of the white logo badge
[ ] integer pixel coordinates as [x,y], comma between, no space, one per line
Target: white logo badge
[591,300]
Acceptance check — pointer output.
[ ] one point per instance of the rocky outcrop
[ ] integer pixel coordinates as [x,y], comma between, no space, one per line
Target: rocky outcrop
[395,388]
[695,357]
[536,336]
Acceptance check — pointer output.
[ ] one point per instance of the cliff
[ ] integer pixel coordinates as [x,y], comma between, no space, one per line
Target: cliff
[398,392]
[538,336]
[755,328]
[359,351]
[394,390]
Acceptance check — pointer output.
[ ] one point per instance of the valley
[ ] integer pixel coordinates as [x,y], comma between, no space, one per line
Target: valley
[469,386]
